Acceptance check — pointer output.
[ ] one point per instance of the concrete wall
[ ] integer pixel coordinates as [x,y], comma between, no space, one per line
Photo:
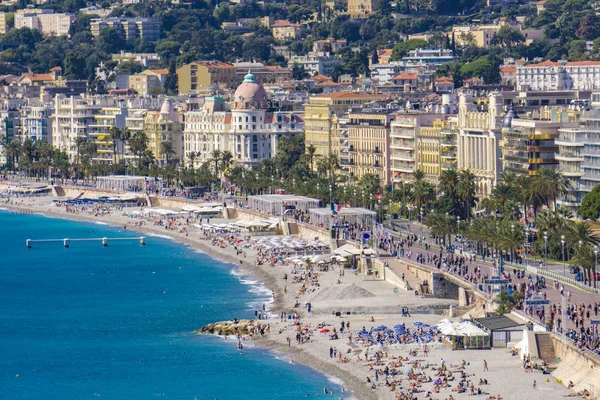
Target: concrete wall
[582,368]
[442,287]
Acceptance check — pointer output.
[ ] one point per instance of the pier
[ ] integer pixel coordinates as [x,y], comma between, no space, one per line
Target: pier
[66,242]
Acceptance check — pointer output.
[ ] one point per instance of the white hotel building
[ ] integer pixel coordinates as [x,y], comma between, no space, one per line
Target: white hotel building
[548,75]
[246,127]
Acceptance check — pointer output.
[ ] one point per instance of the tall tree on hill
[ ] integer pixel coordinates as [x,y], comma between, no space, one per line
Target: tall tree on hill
[171,85]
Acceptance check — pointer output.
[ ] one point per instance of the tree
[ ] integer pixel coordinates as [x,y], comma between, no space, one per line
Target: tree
[508,37]
[402,48]
[588,27]
[138,145]
[171,84]
[485,67]
[590,204]
[375,57]
[466,191]
[298,72]
[167,149]
[311,151]
[75,65]
[549,184]
[577,50]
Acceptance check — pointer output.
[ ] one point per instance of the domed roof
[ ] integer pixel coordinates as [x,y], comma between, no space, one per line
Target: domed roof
[249,91]
[508,118]
[167,107]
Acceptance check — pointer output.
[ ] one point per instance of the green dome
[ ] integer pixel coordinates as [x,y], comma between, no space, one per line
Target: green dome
[249,78]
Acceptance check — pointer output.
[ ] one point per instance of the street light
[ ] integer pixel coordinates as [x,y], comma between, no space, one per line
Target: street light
[512,255]
[595,264]
[458,224]
[546,247]
[421,234]
[562,244]
[527,231]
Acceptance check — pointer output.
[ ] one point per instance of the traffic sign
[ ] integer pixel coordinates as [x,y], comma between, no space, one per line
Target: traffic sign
[496,281]
[536,302]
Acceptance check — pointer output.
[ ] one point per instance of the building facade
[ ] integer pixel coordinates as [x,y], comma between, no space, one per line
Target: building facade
[205,76]
[246,127]
[548,76]
[129,28]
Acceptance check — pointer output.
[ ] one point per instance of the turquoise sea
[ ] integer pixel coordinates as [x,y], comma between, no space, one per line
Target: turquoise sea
[116,322]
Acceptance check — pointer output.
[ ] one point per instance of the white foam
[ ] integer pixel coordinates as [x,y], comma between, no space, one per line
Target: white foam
[160,236]
[100,223]
[4,209]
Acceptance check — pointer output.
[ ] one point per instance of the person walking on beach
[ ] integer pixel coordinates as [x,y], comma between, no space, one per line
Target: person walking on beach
[534,384]
[485,366]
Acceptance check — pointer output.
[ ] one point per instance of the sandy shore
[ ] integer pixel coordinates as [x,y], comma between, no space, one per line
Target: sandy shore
[358,301]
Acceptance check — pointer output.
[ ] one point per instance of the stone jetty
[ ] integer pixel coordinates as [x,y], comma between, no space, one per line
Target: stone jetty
[236,327]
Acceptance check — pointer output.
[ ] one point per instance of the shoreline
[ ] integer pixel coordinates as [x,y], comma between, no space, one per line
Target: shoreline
[339,296]
[247,268]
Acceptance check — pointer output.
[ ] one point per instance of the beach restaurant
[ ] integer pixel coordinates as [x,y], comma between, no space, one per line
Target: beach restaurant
[324,217]
[121,182]
[464,335]
[278,204]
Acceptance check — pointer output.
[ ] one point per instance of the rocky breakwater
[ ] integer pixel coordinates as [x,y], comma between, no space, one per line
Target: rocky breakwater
[236,327]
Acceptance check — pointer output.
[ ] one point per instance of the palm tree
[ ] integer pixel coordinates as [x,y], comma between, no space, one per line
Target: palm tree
[115,135]
[192,157]
[580,233]
[13,151]
[466,190]
[448,183]
[226,160]
[138,144]
[311,150]
[550,184]
[333,162]
[502,194]
[167,149]
[216,157]
[585,258]
[79,143]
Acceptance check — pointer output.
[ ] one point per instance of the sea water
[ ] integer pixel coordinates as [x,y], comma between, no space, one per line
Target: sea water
[117,322]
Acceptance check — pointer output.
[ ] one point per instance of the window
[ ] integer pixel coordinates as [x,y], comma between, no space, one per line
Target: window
[254,118]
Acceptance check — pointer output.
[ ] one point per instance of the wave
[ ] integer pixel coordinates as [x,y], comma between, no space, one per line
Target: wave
[4,209]
[160,236]
[100,223]
[263,294]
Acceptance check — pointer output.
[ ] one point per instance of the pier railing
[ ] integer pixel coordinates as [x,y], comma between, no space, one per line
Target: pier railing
[66,242]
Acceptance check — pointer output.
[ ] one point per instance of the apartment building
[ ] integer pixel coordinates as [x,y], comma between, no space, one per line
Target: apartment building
[89,117]
[45,21]
[404,147]
[143,83]
[360,8]
[433,149]
[165,126]
[329,45]
[285,30]
[322,114]
[36,123]
[129,28]
[205,76]
[148,60]
[3,25]
[317,63]
[368,137]
[479,135]
[549,75]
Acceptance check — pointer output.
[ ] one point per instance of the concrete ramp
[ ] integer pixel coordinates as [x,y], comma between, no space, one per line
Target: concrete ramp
[58,191]
[545,348]
[293,228]
[148,200]
[230,213]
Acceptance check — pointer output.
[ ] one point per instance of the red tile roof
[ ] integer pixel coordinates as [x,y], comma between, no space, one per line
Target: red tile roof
[509,69]
[37,77]
[405,76]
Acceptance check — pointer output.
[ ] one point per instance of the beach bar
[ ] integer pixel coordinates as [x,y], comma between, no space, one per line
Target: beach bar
[277,204]
[362,217]
[121,183]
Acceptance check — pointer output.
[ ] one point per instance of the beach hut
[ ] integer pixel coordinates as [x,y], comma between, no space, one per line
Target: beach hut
[503,329]
[464,335]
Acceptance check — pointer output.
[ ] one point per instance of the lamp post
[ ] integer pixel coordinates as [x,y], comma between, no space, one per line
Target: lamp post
[562,245]
[371,201]
[458,234]
[355,202]
[512,251]
[272,183]
[257,185]
[545,248]
[421,221]
[527,231]
[595,264]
